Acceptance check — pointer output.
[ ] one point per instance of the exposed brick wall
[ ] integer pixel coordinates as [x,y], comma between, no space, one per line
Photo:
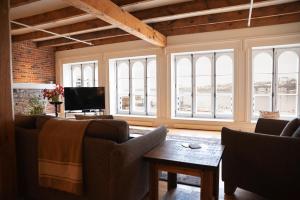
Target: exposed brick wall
[31,64]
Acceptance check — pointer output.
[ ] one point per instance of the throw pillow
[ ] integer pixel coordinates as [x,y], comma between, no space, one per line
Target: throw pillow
[297,133]
[84,117]
[269,115]
[290,128]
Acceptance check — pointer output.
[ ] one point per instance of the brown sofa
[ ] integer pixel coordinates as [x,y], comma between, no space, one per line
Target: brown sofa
[262,162]
[114,167]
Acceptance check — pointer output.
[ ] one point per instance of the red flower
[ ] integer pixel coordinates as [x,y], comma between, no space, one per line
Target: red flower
[49,94]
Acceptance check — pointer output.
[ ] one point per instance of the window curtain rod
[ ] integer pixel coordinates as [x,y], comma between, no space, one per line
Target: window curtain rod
[50,32]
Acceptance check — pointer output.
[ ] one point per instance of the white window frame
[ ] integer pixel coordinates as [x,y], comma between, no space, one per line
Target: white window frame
[131,61]
[94,81]
[275,52]
[213,55]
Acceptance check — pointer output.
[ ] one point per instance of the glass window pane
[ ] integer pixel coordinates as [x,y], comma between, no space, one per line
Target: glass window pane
[224,84]
[138,90]
[88,75]
[287,105]
[96,75]
[262,81]
[123,86]
[224,65]
[203,85]
[263,63]
[76,75]
[287,83]
[261,103]
[224,104]
[262,84]
[288,62]
[184,86]
[151,86]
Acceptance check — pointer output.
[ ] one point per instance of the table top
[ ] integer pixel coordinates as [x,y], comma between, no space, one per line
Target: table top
[174,152]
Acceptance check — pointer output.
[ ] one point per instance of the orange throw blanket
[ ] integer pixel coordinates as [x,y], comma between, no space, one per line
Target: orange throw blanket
[60,155]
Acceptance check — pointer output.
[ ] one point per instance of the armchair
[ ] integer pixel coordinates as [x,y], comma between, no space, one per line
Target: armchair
[262,162]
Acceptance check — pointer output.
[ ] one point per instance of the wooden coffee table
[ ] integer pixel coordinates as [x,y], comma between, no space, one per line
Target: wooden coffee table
[172,157]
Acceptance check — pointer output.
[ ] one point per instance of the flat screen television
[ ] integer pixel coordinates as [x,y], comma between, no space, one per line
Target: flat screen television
[84,98]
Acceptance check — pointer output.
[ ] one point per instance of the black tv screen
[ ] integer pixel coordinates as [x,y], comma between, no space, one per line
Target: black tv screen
[84,98]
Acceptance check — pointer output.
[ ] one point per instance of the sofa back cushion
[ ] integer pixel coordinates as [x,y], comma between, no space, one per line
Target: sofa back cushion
[115,130]
[290,128]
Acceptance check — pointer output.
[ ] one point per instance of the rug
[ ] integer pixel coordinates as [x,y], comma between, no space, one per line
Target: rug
[181,178]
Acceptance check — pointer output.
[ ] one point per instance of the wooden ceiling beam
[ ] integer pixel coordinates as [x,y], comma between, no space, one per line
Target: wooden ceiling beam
[186,22]
[164,11]
[257,22]
[16,3]
[113,14]
[59,14]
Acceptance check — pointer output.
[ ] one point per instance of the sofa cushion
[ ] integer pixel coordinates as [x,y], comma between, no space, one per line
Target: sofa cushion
[84,117]
[297,133]
[115,130]
[290,128]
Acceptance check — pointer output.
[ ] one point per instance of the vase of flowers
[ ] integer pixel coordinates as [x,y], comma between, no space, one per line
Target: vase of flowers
[54,95]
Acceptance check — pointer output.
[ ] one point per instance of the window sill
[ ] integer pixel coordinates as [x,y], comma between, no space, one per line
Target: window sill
[135,116]
[202,119]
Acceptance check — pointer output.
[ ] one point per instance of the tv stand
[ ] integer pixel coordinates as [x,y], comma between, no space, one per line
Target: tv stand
[84,112]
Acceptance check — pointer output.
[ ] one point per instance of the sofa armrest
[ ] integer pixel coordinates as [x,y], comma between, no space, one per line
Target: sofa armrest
[268,155]
[270,126]
[129,170]
[135,148]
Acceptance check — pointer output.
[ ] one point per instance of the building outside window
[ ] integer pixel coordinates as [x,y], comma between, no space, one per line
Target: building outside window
[135,82]
[83,74]
[275,75]
[203,84]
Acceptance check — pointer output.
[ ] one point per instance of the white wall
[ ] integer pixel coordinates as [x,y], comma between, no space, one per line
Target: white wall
[241,40]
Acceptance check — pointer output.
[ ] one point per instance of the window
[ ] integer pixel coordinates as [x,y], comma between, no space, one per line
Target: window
[275,80]
[80,74]
[135,81]
[204,84]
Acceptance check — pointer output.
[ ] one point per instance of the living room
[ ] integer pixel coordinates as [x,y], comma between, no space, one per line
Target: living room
[191,66]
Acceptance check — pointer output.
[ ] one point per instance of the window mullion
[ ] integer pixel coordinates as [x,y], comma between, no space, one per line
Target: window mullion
[175,92]
[193,86]
[117,85]
[82,76]
[94,75]
[298,95]
[214,85]
[146,87]
[72,75]
[275,79]
[130,87]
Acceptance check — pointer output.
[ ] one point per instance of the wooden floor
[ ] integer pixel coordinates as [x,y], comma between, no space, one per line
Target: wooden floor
[183,192]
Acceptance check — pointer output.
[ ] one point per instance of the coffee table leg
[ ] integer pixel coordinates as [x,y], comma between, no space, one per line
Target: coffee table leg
[172,181]
[153,190]
[207,185]
[216,183]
